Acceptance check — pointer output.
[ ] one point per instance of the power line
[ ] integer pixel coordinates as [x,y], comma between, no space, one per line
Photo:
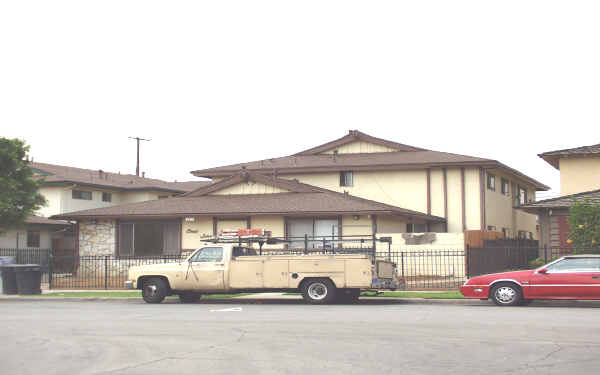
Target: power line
[137,166]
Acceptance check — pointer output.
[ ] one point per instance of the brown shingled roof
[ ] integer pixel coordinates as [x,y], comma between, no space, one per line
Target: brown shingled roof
[58,174]
[566,201]
[552,157]
[39,220]
[305,200]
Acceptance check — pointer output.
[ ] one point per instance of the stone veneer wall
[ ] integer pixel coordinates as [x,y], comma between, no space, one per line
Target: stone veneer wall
[98,238]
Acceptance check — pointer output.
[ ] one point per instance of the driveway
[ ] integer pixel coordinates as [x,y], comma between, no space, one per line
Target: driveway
[377,337]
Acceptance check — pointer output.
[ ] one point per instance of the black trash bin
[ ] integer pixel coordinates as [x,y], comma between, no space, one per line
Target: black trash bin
[29,278]
[9,279]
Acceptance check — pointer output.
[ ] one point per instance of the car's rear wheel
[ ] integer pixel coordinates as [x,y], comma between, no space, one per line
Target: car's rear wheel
[189,297]
[154,290]
[506,294]
[318,291]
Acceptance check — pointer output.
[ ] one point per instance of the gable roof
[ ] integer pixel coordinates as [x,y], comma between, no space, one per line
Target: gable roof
[355,135]
[245,176]
[40,220]
[302,200]
[552,157]
[566,201]
[59,175]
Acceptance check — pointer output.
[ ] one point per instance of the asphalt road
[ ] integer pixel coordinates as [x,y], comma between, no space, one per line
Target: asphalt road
[131,337]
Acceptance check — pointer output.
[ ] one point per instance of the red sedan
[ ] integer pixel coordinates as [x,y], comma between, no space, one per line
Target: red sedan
[570,277]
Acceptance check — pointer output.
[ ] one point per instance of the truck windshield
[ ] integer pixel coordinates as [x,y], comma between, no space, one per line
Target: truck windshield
[208,254]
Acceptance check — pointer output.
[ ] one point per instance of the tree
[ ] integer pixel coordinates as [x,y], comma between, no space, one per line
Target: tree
[19,196]
[584,227]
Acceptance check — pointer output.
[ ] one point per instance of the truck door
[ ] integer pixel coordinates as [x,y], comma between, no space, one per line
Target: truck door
[206,270]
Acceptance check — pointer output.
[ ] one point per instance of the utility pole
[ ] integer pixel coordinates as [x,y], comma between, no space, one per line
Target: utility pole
[137,166]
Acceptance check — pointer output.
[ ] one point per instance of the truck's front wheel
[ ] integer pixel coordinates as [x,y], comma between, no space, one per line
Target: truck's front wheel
[318,291]
[154,290]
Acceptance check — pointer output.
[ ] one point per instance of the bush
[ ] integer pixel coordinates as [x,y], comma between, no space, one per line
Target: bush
[584,227]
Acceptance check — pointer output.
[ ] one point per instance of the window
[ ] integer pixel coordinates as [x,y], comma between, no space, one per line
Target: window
[346,178]
[575,265]
[416,228]
[491,181]
[505,187]
[522,195]
[81,194]
[491,227]
[149,238]
[106,197]
[208,254]
[33,239]
[321,233]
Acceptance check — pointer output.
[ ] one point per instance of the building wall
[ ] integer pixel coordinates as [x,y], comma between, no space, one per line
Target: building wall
[500,212]
[53,195]
[194,232]
[60,199]
[579,174]
[97,238]
[360,147]
[17,238]
[249,187]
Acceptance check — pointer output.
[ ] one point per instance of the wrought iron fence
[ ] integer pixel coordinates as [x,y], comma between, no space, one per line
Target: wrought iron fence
[418,269]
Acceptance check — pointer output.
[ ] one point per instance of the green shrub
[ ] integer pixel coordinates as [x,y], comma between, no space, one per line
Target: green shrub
[584,227]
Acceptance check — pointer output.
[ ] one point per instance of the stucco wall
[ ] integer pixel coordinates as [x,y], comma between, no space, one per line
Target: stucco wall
[53,195]
[97,238]
[579,174]
[250,187]
[360,147]
[192,233]
[8,238]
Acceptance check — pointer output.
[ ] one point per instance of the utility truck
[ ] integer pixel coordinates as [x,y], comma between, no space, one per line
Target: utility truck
[219,267]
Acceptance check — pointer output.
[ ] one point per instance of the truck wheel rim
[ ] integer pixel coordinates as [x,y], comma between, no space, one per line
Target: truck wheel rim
[150,290]
[505,294]
[317,291]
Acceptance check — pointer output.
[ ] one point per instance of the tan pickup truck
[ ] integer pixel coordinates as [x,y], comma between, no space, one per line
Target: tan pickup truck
[218,268]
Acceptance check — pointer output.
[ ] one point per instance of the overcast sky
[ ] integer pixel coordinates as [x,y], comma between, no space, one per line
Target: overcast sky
[220,82]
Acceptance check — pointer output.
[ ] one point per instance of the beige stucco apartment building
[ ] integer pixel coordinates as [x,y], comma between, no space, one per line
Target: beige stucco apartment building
[355,185]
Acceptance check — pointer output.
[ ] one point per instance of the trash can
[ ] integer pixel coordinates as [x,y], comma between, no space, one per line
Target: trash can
[5,260]
[9,279]
[29,278]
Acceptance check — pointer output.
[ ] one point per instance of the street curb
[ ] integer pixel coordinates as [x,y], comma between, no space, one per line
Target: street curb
[241,300]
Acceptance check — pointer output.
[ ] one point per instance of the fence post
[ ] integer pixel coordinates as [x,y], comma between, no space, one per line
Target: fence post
[374,245]
[467,261]
[545,253]
[106,272]
[305,243]
[50,267]
[402,262]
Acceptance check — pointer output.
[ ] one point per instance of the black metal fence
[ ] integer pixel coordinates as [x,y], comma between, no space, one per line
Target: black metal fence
[417,269]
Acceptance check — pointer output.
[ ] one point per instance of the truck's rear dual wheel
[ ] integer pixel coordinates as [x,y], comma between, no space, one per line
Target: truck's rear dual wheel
[154,290]
[189,297]
[318,291]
